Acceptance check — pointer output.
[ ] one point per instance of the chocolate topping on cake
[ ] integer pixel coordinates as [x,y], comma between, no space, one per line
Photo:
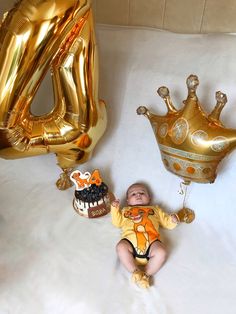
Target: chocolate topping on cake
[93,193]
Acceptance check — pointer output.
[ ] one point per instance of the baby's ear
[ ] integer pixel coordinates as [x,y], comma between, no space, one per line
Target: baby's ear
[150,211]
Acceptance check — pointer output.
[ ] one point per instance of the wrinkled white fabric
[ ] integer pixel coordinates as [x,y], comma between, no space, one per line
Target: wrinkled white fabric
[54,261]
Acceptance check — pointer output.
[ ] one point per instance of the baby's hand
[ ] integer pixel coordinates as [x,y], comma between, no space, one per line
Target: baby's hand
[175,218]
[116,203]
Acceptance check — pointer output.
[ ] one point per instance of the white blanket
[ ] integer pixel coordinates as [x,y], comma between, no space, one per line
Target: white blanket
[54,261]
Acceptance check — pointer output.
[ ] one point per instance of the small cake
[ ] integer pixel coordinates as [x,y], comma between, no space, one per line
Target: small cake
[92,196]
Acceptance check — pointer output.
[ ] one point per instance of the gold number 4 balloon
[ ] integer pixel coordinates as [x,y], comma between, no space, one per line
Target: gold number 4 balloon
[191,143]
[37,36]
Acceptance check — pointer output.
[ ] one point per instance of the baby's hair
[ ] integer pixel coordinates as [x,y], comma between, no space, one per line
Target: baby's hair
[141,184]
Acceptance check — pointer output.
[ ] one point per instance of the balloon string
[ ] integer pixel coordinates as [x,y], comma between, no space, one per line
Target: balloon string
[183,191]
[185,196]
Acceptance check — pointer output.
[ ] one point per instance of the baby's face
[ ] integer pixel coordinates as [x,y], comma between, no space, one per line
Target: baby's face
[138,195]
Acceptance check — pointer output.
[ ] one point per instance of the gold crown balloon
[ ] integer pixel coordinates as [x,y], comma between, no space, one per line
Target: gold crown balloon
[37,36]
[191,142]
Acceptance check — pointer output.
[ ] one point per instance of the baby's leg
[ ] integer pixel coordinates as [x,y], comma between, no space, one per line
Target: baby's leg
[125,253]
[157,255]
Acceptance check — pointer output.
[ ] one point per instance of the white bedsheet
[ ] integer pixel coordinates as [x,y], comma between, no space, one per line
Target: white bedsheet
[54,261]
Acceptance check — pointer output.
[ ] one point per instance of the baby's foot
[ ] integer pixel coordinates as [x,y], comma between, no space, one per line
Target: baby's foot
[141,279]
[137,275]
[144,282]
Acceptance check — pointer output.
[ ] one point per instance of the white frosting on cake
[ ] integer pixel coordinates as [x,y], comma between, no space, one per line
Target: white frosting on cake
[83,208]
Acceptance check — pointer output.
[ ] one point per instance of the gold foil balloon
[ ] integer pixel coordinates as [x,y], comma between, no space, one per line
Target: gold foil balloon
[57,35]
[191,142]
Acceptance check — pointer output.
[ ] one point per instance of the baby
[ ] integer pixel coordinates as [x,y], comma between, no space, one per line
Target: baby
[140,243]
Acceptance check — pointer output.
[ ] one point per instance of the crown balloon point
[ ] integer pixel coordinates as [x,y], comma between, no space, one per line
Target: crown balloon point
[192,84]
[191,143]
[163,92]
[142,110]
[221,98]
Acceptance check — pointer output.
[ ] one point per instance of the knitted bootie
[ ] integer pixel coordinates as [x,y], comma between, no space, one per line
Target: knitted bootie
[141,279]
[137,275]
[144,282]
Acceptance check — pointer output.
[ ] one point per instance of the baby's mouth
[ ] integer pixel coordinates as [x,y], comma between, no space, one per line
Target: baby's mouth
[137,218]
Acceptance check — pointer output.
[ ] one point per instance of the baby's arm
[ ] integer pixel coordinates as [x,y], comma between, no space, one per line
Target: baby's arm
[116,204]
[116,216]
[167,220]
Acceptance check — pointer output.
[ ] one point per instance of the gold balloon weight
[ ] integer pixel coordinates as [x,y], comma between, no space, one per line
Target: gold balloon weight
[37,36]
[185,214]
[191,142]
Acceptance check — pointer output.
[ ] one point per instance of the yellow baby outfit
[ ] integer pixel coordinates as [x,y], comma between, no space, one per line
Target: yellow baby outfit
[140,225]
